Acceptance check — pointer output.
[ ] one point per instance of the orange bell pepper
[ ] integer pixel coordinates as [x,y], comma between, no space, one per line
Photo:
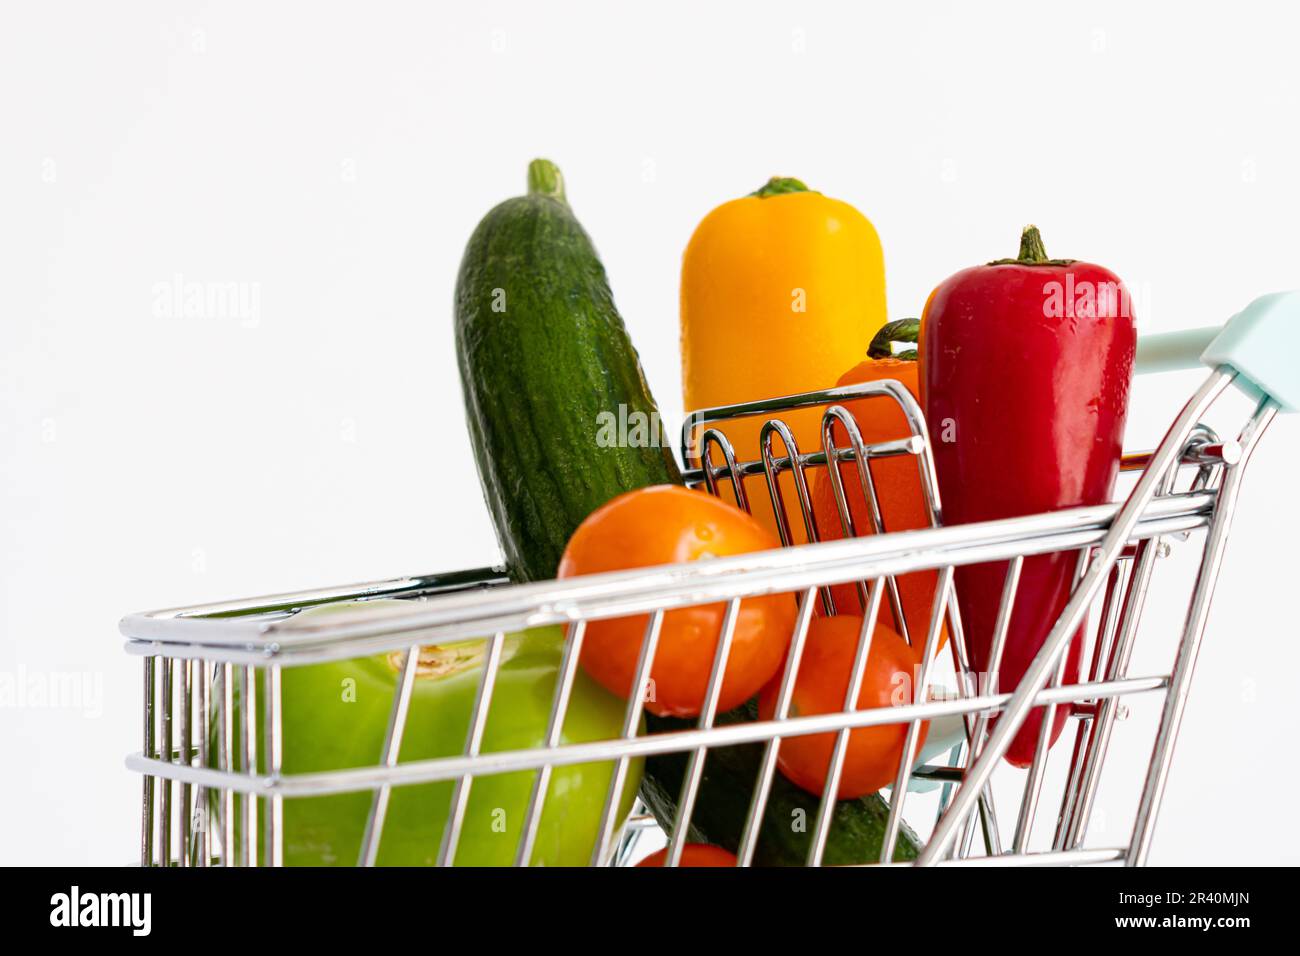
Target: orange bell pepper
[897,482]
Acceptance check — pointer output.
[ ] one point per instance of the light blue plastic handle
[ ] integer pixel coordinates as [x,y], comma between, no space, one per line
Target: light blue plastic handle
[1261,343]
[1173,351]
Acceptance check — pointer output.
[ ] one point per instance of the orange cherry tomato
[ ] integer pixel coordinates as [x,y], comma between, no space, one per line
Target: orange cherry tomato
[665,524]
[898,488]
[871,759]
[693,854]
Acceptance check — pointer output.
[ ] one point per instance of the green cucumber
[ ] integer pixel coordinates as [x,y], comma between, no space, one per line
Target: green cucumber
[560,416]
[857,827]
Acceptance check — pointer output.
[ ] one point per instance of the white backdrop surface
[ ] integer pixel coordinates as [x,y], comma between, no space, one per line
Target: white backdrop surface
[330,160]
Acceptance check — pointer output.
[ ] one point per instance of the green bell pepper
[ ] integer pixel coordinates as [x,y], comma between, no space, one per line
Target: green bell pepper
[335,714]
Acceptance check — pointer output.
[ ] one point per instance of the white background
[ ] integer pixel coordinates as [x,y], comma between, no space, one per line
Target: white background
[335,157]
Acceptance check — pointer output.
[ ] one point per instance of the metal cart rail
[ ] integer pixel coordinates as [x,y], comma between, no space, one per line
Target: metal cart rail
[203,665]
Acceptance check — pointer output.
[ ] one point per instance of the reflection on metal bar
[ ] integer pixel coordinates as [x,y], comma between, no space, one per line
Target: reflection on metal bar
[763,787]
[631,719]
[147,784]
[1034,782]
[165,749]
[186,756]
[780,429]
[248,735]
[898,795]
[831,787]
[474,741]
[389,755]
[554,730]
[1085,730]
[202,813]
[695,766]
[274,764]
[867,487]
[1001,626]
[226,758]
[710,475]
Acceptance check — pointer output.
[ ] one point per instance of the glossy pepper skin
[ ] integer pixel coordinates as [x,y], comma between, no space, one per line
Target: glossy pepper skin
[782,290]
[1026,365]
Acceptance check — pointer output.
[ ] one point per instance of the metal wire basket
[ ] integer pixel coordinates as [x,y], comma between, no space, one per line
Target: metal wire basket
[208,798]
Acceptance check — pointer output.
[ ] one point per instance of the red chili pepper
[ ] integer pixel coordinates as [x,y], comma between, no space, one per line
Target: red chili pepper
[1025,371]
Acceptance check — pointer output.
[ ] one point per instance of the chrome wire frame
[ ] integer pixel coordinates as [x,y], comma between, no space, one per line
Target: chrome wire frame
[219,667]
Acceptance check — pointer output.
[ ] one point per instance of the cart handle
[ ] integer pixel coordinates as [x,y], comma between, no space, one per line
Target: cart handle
[1173,351]
[1261,343]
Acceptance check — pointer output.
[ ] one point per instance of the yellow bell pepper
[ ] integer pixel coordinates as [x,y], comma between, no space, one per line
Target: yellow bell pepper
[782,292]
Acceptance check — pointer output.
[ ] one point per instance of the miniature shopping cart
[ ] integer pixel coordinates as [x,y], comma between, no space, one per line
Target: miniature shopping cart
[211,798]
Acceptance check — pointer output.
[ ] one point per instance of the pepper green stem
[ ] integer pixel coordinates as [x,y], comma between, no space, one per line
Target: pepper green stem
[545,179]
[1032,252]
[779,186]
[1031,245]
[903,330]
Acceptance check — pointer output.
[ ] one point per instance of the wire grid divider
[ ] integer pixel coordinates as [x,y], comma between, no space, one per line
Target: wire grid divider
[203,665]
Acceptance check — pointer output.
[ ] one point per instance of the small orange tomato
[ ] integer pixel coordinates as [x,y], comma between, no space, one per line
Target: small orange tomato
[665,524]
[693,854]
[871,759]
